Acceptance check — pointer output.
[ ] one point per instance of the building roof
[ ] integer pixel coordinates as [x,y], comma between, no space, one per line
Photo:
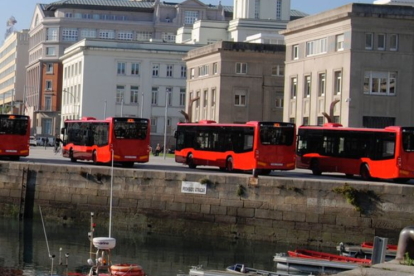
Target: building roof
[114,4]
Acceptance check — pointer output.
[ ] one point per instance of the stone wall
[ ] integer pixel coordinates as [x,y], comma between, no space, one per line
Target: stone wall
[276,209]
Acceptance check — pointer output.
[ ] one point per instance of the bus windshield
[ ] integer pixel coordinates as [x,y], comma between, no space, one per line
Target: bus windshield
[275,135]
[11,125]
[125,128]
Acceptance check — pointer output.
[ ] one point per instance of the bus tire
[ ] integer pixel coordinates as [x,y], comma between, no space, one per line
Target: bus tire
[127,164]
[72,159]
[401,180]
[314,166]
[94,158]
[229,164]
[364,172]
[190,161]
[265,172]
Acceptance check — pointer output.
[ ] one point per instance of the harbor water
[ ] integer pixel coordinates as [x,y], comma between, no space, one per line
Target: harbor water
[23,246]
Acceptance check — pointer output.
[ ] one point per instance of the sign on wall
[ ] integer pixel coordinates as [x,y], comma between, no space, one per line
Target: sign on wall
[193,188]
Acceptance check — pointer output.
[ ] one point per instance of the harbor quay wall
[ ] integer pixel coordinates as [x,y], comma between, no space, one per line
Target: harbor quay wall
[274,209]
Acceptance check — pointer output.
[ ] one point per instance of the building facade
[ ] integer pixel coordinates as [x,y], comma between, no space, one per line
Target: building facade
[235,82]
[137,79]
[58,25]
[356,58]
[13,59]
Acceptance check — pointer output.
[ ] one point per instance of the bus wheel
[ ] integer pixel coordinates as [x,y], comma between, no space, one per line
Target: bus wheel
[15,158]
[127,164]
[265,172]
[94,158]
[229,164]
[401,180]
[190,162]
[314,166]
[72,159]
[364,172]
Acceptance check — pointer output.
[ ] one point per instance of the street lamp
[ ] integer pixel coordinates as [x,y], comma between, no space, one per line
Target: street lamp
[142,102]
[74,100]
[167,97]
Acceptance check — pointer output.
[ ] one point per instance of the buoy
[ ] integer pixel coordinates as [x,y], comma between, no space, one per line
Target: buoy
[127,270]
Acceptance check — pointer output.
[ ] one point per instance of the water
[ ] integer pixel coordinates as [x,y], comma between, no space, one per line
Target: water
[23,246]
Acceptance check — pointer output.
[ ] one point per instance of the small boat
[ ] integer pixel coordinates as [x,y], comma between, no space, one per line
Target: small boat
[233,270]
[308,265]
[310,254]
[364,251]
[391,247]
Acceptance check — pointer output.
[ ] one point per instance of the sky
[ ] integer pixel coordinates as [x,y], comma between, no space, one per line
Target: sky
[23,10]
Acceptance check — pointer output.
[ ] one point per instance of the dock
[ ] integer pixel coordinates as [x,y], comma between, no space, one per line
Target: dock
[391,268]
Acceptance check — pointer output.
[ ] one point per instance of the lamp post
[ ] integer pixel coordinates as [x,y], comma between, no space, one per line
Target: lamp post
[167,97]
[142,102]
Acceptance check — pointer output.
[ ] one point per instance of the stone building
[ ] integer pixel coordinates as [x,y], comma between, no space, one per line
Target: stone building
[358,55]
[235,82]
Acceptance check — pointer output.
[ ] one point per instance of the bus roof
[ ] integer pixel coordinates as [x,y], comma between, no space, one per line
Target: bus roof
[250,123]
[335,126]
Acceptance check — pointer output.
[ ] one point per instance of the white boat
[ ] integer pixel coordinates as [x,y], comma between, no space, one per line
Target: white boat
[305,265]
[233,270]
[358,251]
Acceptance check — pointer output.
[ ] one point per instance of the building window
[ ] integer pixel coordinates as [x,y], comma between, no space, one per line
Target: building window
[292,120]
[278,9]
[168,37]
[135,69]
[121,68]
[48,85]
[48,103]
[203,70]
[279,102]
[124,35]
[47,125]
[340,42]
[49,68]
[380,83]
[120,93]
[154,96]
[337,119]
[278,70]
[144,35]
[169,95]
[70,34]
[88,33]
[192,73]
[213,103]
[241,68]
[316,47]
[155,70]
[240,98]
[50,51]
[338,82]
[170,68]
[134,94]
[369,41]
[394,42]
[322,84]
[293,87]
[256,9]
[215,68]
[381,42]
[52,34]
[308,84]
[182,96]
[295,52]
[320,121]
[183,71]
[190,17]
[106,34]
[305,121]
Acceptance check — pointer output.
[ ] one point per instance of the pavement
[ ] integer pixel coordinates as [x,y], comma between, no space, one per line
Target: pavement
[391,268]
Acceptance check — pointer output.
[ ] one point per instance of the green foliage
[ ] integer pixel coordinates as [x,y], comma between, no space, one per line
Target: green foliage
[241,191]
[206,181]
[356,197]
[407,260]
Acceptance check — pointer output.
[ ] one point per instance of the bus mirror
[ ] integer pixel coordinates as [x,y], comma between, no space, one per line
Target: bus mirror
[62,131]
[175,134]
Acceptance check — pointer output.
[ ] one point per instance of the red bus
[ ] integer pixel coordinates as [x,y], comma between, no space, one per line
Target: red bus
[258,146]
[371,153]
[14,136]
[91,139]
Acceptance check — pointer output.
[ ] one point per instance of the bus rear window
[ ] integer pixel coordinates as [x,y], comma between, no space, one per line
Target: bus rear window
[13,126]
[130,130]
[270,135]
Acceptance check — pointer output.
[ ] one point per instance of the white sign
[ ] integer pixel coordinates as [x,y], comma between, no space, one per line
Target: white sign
[193,188]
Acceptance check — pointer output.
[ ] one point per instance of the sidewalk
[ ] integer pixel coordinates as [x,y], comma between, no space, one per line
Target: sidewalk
[392,268]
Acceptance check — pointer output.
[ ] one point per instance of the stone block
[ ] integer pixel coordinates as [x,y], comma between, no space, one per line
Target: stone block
[293,216]
[218,210]
[98,200]
[259,222]
[192,207]
[268,214]
[232,211]
[245,212]
[231,203]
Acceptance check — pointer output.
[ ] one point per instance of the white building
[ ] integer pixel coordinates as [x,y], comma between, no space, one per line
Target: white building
[116,78]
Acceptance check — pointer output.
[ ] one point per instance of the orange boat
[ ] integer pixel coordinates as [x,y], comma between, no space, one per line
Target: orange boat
[309,254]
[371,245]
